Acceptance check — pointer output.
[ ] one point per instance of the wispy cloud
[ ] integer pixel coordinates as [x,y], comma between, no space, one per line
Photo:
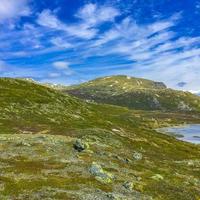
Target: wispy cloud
[89,17]
[13,9]
[101,40]
[61,43]
[93,14]
[60,65]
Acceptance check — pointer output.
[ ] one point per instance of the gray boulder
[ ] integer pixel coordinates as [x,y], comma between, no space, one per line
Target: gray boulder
[100,174]
[80,145]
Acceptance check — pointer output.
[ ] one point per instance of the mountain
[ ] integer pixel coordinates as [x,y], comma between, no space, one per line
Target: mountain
[55,146]
[135,93]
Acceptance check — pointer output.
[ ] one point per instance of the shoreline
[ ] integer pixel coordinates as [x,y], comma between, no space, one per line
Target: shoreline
[180,136]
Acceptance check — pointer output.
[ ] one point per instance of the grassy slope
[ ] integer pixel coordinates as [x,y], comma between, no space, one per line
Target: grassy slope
[39,126]
[135,93]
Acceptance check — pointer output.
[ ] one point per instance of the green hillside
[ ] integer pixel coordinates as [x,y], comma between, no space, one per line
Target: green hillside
[55,146]
[135,93]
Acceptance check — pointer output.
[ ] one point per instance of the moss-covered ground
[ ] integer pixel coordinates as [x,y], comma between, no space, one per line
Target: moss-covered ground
[38,127]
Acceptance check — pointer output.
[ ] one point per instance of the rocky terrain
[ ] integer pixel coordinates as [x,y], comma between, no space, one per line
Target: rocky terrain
[56,146]
[135,93]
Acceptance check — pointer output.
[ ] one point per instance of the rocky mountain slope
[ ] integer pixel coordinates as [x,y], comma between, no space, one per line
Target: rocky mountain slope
[135,93]
[55,146]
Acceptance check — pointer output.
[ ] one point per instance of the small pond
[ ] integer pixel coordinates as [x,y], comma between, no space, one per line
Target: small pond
[188,133]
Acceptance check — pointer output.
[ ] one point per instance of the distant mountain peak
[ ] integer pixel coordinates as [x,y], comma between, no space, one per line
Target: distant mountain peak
[135,93]
[122,82]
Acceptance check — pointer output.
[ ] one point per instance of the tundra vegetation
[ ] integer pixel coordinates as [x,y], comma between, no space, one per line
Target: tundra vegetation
[56,146]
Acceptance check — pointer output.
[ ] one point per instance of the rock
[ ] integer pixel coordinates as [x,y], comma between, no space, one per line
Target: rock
[160,85]
[113,197]
[128,185]
[138,178]
[80,145]
[23,143]
[101,175]
[157,177]
[126,160]
[184,107]
[137,156]
[155,103]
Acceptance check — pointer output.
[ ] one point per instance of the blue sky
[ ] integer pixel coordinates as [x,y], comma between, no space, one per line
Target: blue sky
[71,41]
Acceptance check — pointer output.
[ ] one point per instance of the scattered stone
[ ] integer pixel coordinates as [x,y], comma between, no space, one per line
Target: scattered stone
[115,130]
[80,145]
[194,163]
[101,175]
[113,196]
[128,185]
[184,107]
[23,143]
[126,160]
[138,178]
[137,156]
[156,103]
[157,177]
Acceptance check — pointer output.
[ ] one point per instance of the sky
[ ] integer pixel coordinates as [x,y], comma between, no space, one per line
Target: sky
[72,41]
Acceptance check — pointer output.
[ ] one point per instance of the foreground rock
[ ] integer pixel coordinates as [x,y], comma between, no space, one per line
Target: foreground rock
[80,145]
[100,174]
[137,156]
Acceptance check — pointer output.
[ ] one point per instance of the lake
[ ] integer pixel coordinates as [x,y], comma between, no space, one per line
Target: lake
[188,133]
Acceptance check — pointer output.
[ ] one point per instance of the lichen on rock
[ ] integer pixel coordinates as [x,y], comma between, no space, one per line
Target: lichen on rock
[137,156]
[80,145]
[100,174]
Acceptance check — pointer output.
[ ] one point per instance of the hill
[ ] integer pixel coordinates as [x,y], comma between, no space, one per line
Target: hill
[54,146]
[135,93]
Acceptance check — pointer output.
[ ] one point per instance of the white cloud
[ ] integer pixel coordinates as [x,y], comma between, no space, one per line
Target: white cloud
[61,43]
[81,31]
[48,19]
[90,16]
[107,37]
[93,14]
[156,52]
[61,65]
[11,9]
[128,29]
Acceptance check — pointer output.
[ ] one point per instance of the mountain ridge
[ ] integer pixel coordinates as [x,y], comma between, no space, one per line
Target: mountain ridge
[135,93]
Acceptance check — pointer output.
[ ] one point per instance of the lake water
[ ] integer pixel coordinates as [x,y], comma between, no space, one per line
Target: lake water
[188,133]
